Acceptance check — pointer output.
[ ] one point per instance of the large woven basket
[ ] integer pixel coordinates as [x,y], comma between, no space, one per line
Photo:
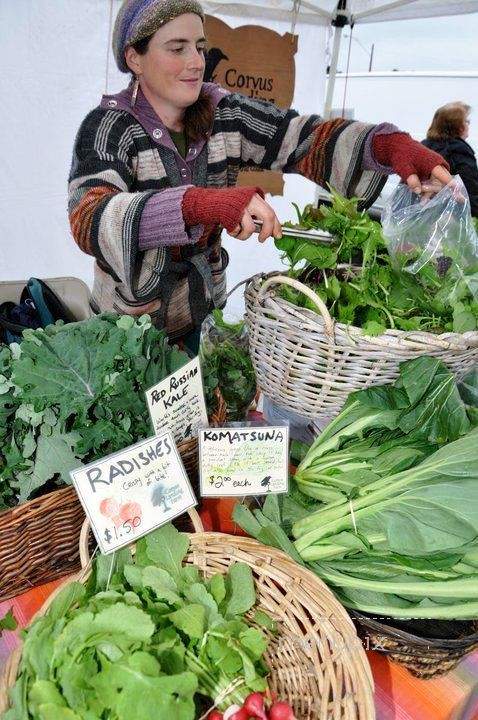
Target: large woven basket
[317,662]
[308,363]
[424,655]
[39,539]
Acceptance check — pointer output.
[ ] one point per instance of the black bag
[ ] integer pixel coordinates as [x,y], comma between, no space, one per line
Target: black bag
[39,306]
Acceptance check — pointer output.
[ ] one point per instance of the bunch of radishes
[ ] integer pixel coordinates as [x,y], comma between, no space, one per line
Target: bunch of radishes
[254,708]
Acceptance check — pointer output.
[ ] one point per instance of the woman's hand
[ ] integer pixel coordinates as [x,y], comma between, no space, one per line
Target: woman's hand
[411,160]
[258,209]
[439,177]
[234,208]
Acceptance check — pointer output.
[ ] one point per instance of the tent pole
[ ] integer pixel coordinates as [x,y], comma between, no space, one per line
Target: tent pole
[340,20]
[332,72]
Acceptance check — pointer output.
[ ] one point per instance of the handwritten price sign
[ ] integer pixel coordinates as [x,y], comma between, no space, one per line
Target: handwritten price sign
[177,403]
[243,461]
[128,494]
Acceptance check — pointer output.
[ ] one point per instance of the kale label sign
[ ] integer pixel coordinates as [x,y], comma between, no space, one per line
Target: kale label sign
[177,403]
[241,461]
[130,493]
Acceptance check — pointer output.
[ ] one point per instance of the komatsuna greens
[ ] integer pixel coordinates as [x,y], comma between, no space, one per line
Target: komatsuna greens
[384,507]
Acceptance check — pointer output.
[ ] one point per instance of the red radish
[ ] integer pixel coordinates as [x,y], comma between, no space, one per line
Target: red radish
[232,710]
[240,714]
[281,711]
[269,697]
[254,704]
[109,507]
[129,511]
[215,715]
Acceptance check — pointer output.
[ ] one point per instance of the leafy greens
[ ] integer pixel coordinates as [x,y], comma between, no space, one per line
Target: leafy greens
[361,286]
[384,505]
[147,637]
[75,392]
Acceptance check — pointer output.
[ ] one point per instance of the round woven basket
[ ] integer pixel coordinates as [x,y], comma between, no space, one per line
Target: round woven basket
[425,656]
[308,363]
[317,662]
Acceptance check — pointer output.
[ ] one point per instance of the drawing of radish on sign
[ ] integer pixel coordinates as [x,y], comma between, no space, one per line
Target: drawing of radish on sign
[119,514]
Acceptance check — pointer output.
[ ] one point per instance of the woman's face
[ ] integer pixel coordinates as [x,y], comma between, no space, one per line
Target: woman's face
[173,67]
[466,129]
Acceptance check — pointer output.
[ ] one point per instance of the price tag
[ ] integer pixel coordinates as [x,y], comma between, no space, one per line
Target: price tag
[130,493]
[243,461]
[177,403]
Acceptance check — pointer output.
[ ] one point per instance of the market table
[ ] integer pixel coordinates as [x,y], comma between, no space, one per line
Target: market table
[398,695]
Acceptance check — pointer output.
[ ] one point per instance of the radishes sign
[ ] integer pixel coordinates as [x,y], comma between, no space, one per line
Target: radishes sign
[130,493]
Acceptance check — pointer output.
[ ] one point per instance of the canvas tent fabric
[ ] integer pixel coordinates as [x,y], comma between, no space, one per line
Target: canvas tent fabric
[358,11]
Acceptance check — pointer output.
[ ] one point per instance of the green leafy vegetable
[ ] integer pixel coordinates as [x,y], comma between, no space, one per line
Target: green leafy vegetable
[145,638]
[361,286]
[72,393]
[384,430]
[384,505]
[8,622]
[226,364]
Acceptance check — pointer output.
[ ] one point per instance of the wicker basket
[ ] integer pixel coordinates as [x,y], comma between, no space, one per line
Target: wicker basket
[316,660]
[39,539]
[308,363]
[425,657]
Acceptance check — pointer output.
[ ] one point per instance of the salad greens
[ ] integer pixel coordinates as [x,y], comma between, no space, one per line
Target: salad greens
[226,363]
[145,638]
[361,286]
[384,507]
[75,392]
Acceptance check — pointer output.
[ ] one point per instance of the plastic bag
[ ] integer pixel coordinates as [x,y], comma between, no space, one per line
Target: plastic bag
[440,230]
[226,363]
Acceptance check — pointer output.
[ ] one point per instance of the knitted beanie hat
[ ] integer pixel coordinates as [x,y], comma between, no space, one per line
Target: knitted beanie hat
[137,19]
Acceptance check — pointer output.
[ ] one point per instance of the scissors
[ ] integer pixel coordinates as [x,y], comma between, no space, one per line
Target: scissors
[319,237]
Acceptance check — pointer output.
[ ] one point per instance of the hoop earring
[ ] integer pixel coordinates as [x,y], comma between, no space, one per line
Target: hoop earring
[135,92]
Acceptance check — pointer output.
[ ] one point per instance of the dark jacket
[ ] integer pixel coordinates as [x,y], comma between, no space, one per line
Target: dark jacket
[461,158]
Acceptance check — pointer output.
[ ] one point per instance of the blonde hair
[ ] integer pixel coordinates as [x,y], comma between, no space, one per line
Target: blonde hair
[448,121]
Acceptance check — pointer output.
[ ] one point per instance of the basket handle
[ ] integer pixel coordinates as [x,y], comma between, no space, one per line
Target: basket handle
[85,533]
[322,307]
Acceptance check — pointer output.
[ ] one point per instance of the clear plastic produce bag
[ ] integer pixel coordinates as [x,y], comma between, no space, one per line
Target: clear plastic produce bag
[419,230]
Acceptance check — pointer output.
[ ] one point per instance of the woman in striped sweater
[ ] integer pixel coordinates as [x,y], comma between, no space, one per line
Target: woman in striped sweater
[154,169]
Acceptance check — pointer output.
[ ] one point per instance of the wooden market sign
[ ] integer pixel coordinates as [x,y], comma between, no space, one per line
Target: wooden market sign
[258,63]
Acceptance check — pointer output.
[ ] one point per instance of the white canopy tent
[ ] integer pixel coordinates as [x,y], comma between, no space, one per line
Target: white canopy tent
[340,13]
[324,11]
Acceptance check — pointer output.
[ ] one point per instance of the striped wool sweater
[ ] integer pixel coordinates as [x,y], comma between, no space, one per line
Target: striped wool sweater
[123,169]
